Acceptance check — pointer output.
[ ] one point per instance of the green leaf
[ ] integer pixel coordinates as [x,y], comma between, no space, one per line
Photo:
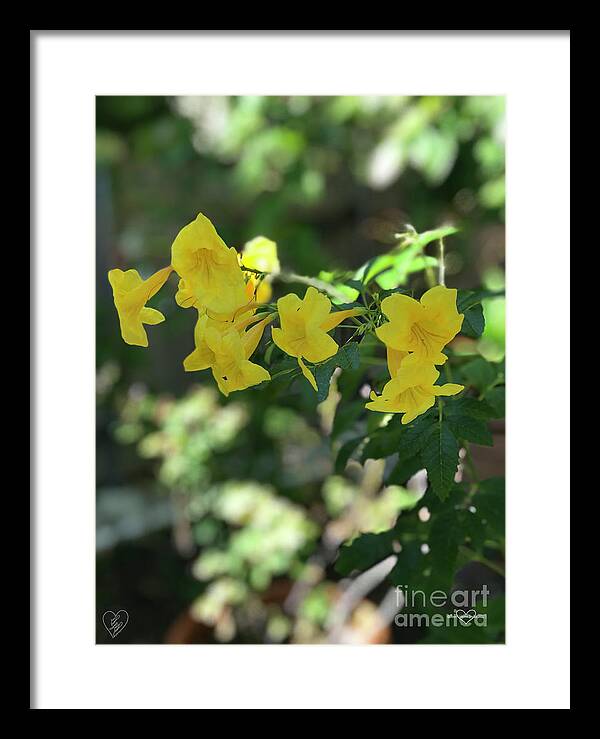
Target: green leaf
[434,235]
[408,570]
[381,445]
[480,373]
[354,284]
[415,435]
[404,470]
[473,322]
[364,551]
[407,440]
[468,302]
[468,298]
[440,457]
[471,429]
[347,358]
[444,540]
[466,405]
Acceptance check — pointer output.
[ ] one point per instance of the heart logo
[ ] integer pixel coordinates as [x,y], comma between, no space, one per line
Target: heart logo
[465,617]
[114,623]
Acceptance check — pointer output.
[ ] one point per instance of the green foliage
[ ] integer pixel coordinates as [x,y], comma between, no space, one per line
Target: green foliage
[440,458]
[268,479]
[365,551]
[347,358]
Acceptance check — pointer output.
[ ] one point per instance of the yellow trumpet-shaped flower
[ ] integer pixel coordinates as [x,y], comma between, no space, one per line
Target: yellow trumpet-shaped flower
[261,254]
[423,327]
[203,357]
[226,347]
[411,390]
[185,298]
[212,277]
[131,293]
[304,328]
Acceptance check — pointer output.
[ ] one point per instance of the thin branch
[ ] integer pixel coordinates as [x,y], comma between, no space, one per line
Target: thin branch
[358,588]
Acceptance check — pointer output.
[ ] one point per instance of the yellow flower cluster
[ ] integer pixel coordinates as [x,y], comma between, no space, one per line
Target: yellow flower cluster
[414,336]
[215,280]
[226,289]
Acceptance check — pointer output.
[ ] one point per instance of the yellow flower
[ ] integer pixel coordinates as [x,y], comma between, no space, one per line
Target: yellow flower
[232,369]
[261,254]
[131,293]
[411,390]
[304,326]
[185,298]
[226,347]
[421,327]
[210,271]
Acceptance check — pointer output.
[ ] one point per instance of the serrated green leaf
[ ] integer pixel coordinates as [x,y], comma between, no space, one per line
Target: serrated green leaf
[471,429]
[473,322]
[440,457]
[444,540]
[394,438]
[323,374]
[347,358]
[415,435]
[365,551]
[466,405]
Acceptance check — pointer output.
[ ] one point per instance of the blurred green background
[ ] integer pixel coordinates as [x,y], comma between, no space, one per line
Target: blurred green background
[218,519]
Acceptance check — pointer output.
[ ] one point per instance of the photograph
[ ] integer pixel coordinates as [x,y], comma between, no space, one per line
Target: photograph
[294,437]
[300,333]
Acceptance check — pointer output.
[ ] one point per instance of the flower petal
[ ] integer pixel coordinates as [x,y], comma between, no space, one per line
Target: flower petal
[315,307]
[200,359]
[280,339]
[287,307]
[151,316]
[450,388]
[394,360]
[308,374]
[335,318]
[319,346]
[398,307]
[252,337]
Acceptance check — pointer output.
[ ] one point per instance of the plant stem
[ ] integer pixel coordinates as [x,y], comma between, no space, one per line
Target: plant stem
[442,265]
[313,281]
